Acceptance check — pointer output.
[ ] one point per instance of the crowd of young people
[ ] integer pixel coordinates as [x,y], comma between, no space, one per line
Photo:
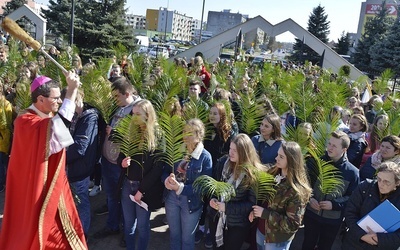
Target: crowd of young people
[218,144]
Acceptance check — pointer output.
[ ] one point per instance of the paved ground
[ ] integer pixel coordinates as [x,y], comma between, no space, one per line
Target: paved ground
[159,238]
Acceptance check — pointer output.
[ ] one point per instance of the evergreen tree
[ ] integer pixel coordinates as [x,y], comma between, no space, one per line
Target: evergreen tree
[98,26]
[58,17]
[385,54]
[318,25]
[12,5]
[374,32]
[343,44]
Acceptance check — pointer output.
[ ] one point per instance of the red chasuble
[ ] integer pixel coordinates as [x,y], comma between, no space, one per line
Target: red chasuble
[39,208]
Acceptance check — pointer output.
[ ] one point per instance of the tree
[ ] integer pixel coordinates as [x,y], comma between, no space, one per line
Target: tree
[375,31]
[98,25]
[12,5]
[318,25]
[385,54]
[343,44]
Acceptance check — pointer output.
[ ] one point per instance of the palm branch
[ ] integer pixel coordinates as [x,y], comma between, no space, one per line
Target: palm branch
[381,83]
[263,186]
[193,110]
[249,118]
[208,186]
[323,127]
[394,121]
[129,136]
[330,180]
[5,116]
[98,91]
[23,95]
[292,134]
[139,71]
[9,70]
[172,138]
[163,90]
[394,116]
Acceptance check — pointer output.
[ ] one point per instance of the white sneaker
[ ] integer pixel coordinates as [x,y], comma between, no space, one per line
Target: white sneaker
[91,184]
[95,190]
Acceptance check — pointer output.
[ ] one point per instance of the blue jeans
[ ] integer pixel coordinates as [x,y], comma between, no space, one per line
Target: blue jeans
[80,189]
[182,223]
[3,168]
[262,245]
[136,218]
[110,176]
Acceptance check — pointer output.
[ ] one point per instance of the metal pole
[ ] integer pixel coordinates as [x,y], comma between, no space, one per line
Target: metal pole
[71,38]
[166,21]
[201,22]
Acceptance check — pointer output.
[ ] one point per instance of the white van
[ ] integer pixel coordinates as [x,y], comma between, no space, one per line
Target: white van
[142,43]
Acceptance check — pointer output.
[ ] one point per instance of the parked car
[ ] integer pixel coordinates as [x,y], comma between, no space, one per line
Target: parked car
[142,44]
[259,60]
[225,57]
[250,51]
[158,51]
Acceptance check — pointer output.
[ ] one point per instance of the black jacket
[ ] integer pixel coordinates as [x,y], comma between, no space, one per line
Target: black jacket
[147,169]
[238,208]
[363,200]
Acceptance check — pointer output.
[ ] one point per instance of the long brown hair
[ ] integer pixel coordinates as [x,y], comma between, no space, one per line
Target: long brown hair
[376,135]
[275,121]
[247,157]
[223,126]
[296,171]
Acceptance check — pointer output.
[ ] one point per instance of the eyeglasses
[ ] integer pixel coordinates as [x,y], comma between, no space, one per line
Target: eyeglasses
[54,99]
[384,182]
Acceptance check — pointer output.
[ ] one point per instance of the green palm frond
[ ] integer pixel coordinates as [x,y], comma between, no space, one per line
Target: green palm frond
[98,92]
[264,186]
[322,132]
[327,100]
[172,138]
[129,136]
[381,83]
[5,114]
[329,177]
[23,96]
[292,134]
[394,121]
[208,186]
[250,116]
[139,71]
[194,110]
[163,90]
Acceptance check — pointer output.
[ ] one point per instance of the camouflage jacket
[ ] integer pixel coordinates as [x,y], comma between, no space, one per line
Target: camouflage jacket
[284,214]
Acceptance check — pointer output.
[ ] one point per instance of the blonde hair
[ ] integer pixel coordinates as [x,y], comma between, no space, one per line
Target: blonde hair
[197,127]
[151,123]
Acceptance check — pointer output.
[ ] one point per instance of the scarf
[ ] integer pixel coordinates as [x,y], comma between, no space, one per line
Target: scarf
[228,177]
[356,136]
[376,159]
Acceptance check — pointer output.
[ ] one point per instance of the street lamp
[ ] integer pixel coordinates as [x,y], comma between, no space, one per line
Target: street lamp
[201,22]
[71,38]
[166,21]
